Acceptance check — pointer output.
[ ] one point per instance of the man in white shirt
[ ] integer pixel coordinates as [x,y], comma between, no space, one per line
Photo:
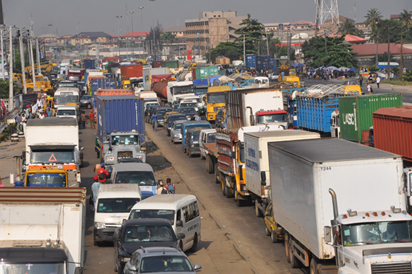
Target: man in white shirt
[378,80]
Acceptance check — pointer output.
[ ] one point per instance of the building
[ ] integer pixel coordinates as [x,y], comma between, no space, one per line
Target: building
[48,38]
[210,29]
[352,39]
[94,37]
[299,31]
[366,53]
[179,31]
[328,25]
[137,35]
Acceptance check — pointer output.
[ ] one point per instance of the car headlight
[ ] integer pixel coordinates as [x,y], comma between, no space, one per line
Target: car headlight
[175,135]
[109,158]
[100,225]
[124,259]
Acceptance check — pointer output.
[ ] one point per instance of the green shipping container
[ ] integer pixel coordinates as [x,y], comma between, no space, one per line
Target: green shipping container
[355,114]
[205,72]
[170,64]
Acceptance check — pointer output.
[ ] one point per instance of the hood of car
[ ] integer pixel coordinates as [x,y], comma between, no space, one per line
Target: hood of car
[132,247]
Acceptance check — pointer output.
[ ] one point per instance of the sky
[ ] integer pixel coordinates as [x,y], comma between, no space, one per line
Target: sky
[67,17]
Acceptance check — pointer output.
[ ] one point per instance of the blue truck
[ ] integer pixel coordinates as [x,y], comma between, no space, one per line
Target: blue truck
[250,61]
[264,62]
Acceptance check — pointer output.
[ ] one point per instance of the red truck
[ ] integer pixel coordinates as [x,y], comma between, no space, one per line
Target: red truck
[75,74]
[131,71]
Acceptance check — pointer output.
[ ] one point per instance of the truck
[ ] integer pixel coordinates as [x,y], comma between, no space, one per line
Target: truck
[42,230]
[178,90]
[89,64]
[311,180]
[54,143]
[121,129]
[215,101]
[253,106]
[264,62]
[250,61]
[149,73]
[101,83]
[64,96]
[44,177]
[257,173]
[355,114]
[75,74]
[131,71]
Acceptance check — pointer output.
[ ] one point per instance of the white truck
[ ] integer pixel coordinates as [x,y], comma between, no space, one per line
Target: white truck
[311,179]
[54,143]
[179,90]
[253,106]
[42,230]
[64,96]
[257,173]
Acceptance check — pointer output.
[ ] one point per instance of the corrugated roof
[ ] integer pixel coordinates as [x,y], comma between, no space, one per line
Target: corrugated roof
[370,49]
[352,38]
[92,34]
[135,34]
[303,22]
[404,112]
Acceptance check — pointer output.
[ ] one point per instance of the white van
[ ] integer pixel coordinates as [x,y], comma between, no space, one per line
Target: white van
[113,205]
[182,210]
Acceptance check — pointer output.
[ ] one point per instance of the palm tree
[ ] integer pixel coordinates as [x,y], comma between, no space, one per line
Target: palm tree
[406,19]
[373,17]
[347,28]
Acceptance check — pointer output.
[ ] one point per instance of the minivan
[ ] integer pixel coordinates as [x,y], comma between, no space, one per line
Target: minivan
[113,204]
[182,210]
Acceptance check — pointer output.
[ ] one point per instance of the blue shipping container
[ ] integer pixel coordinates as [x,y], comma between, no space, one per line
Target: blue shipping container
[102,83]
[121,113]
[251,61]
[264,62]
[275,65]
[89,64]
[200,82]
[315,113]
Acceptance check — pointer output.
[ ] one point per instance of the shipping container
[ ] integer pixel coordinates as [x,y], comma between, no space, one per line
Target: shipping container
[355,114]
[101,83]
[222,60]
[392,130]
[205,72]
[251,61]
[121,113]
[264,62]
[170,64]
[156,64]
[89,64]
[131,71]
[114,59]
[113,92]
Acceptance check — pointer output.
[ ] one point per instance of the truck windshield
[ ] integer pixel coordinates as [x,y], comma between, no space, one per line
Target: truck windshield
[195,137]
[377,233]
[46,179]
[63,112]
[125,140]
[32,268]
[52,157]
[182,90]
[116,205]
[200,126]
[211,138]
[272,118]
[141,178]
[216,97]
[199,91]
[182,105]
[153,213]
[62,100]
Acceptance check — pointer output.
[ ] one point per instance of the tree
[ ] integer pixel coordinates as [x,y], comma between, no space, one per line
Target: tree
[155,34]
[394,31]
[283,51]
[168,37]
[349,28]
[4,89]
[232,50]
[292,56]
[373,17]
[405,20]
[253,31]
[338,53]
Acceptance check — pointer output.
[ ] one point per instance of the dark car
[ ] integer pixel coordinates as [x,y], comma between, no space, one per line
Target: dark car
[171,119]
[192,141]
[137,233]
[86,101]
[189,112]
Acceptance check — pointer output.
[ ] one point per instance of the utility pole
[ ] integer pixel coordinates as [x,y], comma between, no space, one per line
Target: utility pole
[118,33]
[11,71]
[141,37]
[154,33]
[267,44]
[22,62]
[244,51]
[38,57]
[326,48]
[133,41]
[389,56]
[32,65]
[2,53]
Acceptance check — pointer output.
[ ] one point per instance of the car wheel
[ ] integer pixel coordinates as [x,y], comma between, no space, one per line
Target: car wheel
[273,237]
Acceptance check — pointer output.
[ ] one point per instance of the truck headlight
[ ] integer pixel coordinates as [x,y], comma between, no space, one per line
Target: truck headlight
[197,109]
[100,225]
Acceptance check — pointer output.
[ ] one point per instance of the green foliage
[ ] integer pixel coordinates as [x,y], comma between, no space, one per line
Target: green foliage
[394,27]
[155,32]
[373,68]
[4,89]
[349,28]
[338,53]
[232,50]
[168,37]
[373,17]
[253,31]
[292,56]
[282,52]
[407,76]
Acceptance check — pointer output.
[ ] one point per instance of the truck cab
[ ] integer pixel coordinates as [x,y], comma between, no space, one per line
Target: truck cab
[123,145]
[278,117]
[126,84]
[215,101]
[46,177]
[177,90]
[189,125]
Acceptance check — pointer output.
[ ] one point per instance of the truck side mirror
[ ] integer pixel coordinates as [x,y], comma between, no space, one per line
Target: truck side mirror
[263,178]
[327,232]
[23,155]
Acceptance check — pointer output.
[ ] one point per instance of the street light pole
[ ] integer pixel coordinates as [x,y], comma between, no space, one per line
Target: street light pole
[141,37]
[11,71]
[389,56]
[131,16]
[244,51]
[154,33]
[2,53]
[118,33]
[22,61]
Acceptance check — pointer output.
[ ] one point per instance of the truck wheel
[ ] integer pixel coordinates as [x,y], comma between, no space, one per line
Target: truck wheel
[78,270]
[294,263]
[209,164]
[239,202]
[228,192]
[273,237]
[217,174]
[257,210]
[267,232]
[313,266]
[223,188]
[287,247]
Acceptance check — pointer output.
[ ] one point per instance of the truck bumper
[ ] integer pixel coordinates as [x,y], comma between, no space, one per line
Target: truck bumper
[194,150]
[104,235]
[211,117]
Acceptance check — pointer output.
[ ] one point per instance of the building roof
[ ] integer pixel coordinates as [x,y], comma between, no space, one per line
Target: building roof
[175,28]
[341,19]
[302,22]
[92,34]
[395,16]
[135,34]
[370,49]
[352,38]
[50,35]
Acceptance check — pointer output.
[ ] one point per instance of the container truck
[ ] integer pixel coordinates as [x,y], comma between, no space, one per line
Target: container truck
[75,74]
[178,90]
[42,230]
[131,71]
[257,173]
[215,101]
[102,83]
[251,61]
[89,64]
[264,62]
[341,206]
[253,106]
[205,72]
[54,143]
[149,73]
[121,128]
[355,114]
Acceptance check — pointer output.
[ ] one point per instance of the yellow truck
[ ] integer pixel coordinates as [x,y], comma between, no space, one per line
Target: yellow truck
[351,86]
[291,82]
[46,177]
[126,84]
[215,101]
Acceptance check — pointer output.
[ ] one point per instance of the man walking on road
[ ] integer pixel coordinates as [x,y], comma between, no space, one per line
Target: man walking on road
[154,121]
[360,80]
[83,119]
[102,173]
[378,80]
[92,122]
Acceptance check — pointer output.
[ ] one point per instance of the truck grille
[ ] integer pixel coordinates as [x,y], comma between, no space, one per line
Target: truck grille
[124,154]
[398,268]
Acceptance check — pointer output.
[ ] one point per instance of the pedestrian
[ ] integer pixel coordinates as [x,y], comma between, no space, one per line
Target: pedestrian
[368,88]
[169,186]
[83,119]
[161,189]
[49,112]
[154,120]
[360,79]
[92,121]
[95,189]
[102,173]
[378,80]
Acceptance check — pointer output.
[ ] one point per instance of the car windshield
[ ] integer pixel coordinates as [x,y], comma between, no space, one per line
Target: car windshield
[149,233]
[33,268]
[182,89]
[53,157]
[86,97]
[161,112]
[46,179]
[187,110]
[377,233]
[272,118]
[201,90]
[178,126]
[182,105]
[116,205]
[211,138]
[171,119]
[160,264]
[153,213]
[141,178]
[200,126]
[64,112]
[125,140]
[216,97]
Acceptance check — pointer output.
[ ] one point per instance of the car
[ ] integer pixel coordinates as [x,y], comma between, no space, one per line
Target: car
[86,101]
[192,141]
[137,233]
[159,260]
[190,112]
[171,119]
[161,111]
[176,131]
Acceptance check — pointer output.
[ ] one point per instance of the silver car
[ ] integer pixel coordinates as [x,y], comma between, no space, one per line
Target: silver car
[86,101]
[176,131]
[156,260]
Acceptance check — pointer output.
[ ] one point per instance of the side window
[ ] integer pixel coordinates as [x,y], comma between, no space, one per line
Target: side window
[185,213]
[196,210]
[178,215]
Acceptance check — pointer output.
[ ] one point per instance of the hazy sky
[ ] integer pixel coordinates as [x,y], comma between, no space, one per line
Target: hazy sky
[99,15]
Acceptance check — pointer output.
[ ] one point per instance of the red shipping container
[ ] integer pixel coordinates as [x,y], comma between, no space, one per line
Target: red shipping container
[131,71]
[156,64]
[189,55]
[108,92]
[392,128]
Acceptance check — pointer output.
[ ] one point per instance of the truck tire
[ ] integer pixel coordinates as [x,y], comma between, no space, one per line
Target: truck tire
[239,202]
[313,268]
[287,247]
[267,232]
[257,210]
[78,270]
[217,174]
[294,263]
[209,164]
[273,237]
[228,191]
